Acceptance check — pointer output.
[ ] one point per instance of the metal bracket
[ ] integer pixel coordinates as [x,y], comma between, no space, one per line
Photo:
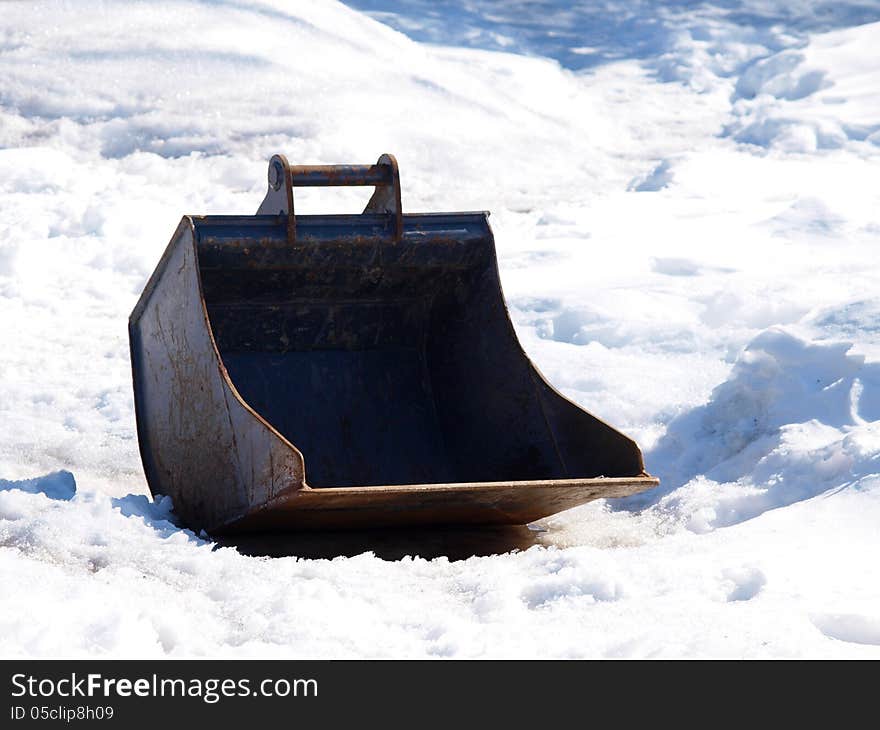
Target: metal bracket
[283,177]
[279,196]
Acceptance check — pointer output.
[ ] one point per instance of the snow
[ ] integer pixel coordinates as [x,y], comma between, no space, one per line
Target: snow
[684,198]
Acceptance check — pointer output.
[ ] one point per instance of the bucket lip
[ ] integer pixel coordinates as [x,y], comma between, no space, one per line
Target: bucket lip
[643,478]
[330,501]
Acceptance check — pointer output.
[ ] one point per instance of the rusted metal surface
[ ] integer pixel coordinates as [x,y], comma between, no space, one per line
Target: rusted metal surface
[284,177]
[486,503]
[200,442]
[316,372]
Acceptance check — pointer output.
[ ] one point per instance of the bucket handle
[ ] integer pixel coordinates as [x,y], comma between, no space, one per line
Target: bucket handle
[284,177]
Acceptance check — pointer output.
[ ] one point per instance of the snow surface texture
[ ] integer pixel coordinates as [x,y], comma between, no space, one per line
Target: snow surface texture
[685,201]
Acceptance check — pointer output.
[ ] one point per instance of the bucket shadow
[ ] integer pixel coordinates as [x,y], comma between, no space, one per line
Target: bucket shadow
[388,544]
[59,485]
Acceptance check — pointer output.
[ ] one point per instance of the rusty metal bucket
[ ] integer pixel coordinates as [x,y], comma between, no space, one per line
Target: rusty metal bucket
[352,371]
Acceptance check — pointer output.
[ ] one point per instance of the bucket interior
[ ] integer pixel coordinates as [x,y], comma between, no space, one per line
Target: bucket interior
[395,364]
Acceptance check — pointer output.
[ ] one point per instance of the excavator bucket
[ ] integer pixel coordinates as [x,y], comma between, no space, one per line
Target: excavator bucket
[352,371]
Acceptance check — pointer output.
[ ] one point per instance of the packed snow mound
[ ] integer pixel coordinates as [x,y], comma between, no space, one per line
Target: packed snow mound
[794,420]
[822,96]
[684,199]
[780,384]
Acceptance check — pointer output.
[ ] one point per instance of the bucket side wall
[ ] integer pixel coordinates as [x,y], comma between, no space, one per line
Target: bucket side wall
[501,419]
[200,444]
